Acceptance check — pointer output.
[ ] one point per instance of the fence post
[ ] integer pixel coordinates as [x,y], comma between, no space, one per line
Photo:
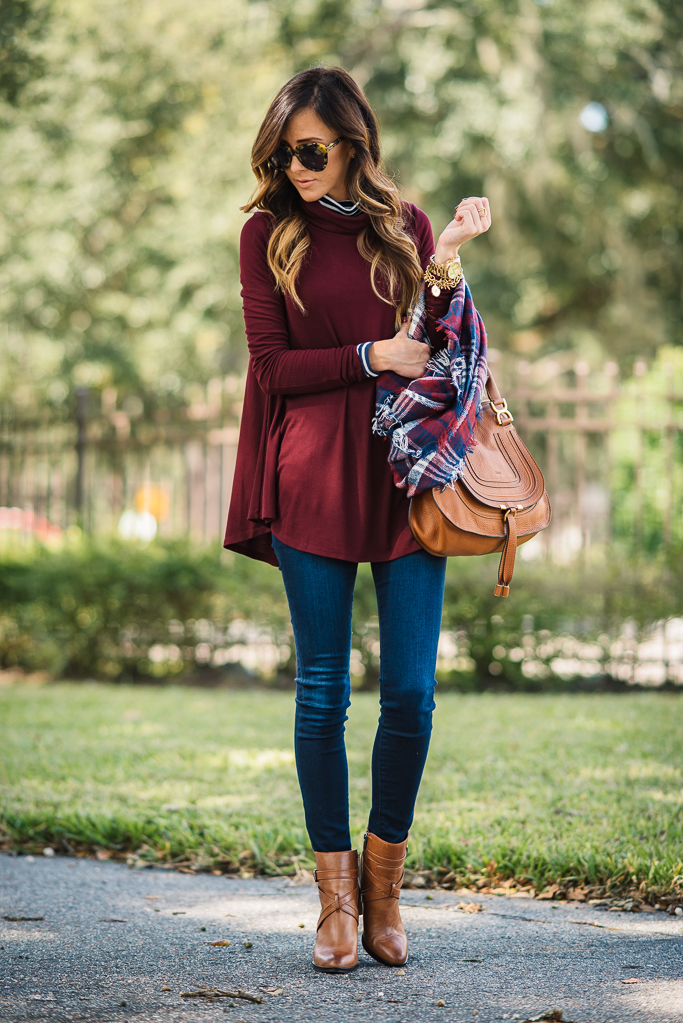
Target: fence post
[81,441]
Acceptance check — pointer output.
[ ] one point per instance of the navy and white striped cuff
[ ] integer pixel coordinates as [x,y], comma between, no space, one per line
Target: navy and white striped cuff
[364,356]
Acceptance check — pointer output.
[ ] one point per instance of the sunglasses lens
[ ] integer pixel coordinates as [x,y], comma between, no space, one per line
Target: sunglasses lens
[312,158]
[281,158]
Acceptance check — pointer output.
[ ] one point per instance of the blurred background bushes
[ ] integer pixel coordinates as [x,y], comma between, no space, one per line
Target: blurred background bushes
[122,611]
[169,611]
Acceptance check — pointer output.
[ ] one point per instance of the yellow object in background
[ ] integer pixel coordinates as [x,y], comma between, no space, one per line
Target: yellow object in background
[152,498]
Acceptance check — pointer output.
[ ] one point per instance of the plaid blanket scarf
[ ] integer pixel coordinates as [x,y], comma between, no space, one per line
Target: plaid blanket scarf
[431,420]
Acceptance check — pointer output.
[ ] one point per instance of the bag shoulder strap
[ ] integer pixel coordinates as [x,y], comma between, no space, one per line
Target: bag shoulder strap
[498,404]
[492,388]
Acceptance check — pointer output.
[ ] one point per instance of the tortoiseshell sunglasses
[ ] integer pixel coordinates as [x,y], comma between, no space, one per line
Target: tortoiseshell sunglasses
[311,155]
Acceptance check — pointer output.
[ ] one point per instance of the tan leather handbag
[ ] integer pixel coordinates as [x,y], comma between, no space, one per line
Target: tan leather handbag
[499,503]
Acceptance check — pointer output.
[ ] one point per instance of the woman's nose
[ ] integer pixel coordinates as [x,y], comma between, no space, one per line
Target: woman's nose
[296,164]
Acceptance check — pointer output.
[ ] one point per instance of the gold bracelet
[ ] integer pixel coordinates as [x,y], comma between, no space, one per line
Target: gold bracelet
[443,276]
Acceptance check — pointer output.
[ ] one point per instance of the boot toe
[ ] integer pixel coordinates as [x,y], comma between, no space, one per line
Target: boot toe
[328,959]
[391,949]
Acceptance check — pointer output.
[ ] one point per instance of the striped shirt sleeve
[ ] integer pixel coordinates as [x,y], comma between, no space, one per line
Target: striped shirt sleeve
[364,356]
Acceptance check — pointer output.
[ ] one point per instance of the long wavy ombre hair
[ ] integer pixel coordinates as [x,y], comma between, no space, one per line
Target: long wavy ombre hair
[339,102]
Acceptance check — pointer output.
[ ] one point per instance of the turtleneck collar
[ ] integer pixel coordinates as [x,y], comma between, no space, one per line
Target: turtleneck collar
[329,220]
[346,207]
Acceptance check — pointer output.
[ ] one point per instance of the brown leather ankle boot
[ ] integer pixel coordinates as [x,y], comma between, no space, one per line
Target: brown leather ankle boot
[336,947]
[382,876]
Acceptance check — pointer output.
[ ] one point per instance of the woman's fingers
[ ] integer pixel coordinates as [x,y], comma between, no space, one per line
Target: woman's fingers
[471,210]
[479,210]
[466,216]
[467,223]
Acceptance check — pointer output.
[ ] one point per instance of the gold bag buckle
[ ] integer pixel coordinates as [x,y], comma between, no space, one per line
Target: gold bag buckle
[503,414]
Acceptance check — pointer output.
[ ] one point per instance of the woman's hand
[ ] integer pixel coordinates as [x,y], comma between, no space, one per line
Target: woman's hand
[472,217]
[400,354]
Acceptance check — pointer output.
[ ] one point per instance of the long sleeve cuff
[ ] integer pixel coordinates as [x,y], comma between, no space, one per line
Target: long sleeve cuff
[364,356]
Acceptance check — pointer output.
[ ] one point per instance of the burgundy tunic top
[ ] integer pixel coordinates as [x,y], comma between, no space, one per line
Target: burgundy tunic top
[308,466]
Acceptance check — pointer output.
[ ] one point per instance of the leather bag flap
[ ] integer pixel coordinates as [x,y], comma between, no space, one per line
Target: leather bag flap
[467,513]
[499,470]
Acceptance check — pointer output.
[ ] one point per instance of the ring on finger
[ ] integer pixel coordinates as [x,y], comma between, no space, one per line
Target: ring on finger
[481,211]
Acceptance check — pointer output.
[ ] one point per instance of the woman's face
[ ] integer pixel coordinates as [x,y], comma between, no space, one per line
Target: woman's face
[306,126]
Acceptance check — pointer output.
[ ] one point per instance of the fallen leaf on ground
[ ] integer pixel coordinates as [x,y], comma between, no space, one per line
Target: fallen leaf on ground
[112,920]
[248,944]
[152,896]
[212,993]
[549,894]
[440,1003]
[470,907]
[165,989]
[273,990]
[551,1015]
[576,895]
[223,942]
[179,912]
[632,980]
[16,919]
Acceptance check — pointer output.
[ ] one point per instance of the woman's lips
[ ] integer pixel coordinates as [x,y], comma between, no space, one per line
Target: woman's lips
[306,183]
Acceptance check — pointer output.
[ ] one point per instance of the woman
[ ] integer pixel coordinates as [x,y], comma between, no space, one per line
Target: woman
[330,267]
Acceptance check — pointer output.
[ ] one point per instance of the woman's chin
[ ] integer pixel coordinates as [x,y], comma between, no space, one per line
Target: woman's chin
[310,193]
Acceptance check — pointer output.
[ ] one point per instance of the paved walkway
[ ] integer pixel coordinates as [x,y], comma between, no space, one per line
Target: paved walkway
[119,944]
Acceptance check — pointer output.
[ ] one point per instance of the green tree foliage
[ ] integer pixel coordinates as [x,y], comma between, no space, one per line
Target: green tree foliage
[124,140]
[21,24]
[485,97]
[124,169]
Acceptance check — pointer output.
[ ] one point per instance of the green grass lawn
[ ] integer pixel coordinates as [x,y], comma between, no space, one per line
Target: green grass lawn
[544,787]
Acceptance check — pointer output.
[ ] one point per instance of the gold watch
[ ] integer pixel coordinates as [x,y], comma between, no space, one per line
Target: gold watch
[443,276]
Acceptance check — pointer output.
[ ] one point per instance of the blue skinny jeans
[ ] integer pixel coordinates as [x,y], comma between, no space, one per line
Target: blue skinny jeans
[410,600]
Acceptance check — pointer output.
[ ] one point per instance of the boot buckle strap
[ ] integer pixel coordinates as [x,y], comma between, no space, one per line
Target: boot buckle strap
[321,875]
[346,904]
